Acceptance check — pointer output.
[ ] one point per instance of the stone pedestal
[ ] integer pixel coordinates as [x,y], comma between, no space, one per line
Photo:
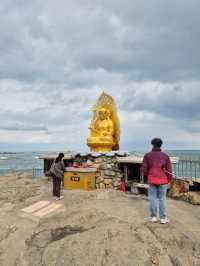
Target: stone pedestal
[108,174]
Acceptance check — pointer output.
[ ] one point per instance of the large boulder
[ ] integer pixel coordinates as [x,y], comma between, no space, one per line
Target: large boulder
[178,188]
[194,197]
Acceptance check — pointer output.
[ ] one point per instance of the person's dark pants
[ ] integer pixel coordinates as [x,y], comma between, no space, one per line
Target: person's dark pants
[56,186]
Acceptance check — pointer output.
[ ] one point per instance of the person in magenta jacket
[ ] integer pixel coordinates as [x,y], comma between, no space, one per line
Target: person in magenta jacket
[157,167]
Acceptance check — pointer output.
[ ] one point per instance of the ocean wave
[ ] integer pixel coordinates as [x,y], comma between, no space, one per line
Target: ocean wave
[4,158]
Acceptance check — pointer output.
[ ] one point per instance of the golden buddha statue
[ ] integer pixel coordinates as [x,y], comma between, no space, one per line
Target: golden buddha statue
[105,128]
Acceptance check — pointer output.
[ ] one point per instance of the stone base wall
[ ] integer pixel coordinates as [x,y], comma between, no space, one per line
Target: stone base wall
[109,174]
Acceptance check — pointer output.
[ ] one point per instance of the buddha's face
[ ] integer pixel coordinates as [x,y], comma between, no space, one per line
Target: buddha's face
[102,114]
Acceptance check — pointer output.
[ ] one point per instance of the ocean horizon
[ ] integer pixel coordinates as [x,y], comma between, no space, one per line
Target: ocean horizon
[26,161]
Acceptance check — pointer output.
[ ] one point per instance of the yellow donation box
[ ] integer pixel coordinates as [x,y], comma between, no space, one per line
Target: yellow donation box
[80,178]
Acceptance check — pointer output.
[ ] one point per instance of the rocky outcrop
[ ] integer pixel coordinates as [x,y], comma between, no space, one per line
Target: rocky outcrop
[99,227]
[180,189]
[194,197]
[100,234]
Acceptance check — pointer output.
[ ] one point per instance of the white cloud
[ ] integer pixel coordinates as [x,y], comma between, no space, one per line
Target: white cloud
[57,57]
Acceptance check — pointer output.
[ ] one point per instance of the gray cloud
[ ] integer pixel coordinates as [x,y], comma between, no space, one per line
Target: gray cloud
[170,100]
[144,41]
[57,57]
[22,127]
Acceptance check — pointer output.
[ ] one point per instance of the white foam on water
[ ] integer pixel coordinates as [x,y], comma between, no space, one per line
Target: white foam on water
[3,158]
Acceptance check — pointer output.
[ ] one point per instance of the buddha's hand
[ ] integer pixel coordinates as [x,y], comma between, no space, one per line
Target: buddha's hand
[105,134]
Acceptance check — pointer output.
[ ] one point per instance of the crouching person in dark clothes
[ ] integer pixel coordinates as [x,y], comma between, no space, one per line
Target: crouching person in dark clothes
[157,167]
[57,172]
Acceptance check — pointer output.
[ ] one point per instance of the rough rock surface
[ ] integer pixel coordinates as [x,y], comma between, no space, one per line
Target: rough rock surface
[101,227]
[180,189]
[194,197]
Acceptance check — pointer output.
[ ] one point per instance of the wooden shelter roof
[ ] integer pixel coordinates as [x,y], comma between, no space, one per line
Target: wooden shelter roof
[139,159]
[50,156]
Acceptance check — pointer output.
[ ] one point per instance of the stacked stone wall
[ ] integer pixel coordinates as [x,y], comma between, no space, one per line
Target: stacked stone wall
[109,173]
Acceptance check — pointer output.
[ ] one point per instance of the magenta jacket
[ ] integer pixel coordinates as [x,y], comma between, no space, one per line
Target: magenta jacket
[156,165]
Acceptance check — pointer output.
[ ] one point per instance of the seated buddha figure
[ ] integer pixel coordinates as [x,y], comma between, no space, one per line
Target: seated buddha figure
[102,132]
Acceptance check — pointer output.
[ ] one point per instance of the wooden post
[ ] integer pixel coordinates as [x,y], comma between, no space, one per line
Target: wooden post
[126,172]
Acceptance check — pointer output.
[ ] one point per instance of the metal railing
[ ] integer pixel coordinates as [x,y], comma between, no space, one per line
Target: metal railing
[37,172]
[187,169]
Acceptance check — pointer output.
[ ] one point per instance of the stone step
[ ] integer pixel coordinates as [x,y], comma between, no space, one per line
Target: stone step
[36,206]
[41,209]
[47,210]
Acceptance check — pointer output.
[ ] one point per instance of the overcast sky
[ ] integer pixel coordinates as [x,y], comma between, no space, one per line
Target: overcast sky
[56,57]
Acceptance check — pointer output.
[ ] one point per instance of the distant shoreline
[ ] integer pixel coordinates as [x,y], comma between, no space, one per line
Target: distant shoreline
[142,151]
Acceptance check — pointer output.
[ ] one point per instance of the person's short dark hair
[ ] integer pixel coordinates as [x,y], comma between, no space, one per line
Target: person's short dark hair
[60,156]
[156,142]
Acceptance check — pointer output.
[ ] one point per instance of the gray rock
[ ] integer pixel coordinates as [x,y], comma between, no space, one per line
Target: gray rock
[194,197]
[89,162]
[108,177]
[103,166]
[98,174]
[109,166]
[96,154]
[96,165]
[99,160]
[84,154]
[122,154]
[110,154]
[99,180]
[116,183]
[108,181]
[109,173]
[119,175]
[109,160]
[102,186]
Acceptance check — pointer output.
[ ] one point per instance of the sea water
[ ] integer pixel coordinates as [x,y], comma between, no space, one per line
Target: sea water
[27,161]
[19,161]
[188,164]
